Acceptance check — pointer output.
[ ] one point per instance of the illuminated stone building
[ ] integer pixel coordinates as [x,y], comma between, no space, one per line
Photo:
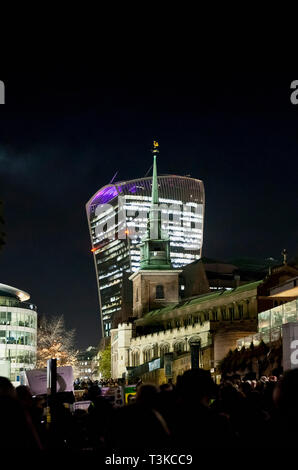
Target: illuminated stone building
[171,328]
[117,217]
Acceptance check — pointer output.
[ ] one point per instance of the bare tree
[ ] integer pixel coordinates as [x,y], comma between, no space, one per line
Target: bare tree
[55,342]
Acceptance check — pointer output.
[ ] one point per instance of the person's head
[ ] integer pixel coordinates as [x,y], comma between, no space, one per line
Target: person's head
[24,395]
[166,387]
[229,396]
[197,384]
[246,387]
[6,388]
[94,392]
[147,394]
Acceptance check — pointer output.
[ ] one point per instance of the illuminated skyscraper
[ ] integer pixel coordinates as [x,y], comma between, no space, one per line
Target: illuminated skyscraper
[118,217]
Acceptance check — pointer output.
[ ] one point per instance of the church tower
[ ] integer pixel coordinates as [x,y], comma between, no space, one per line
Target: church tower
[156,284]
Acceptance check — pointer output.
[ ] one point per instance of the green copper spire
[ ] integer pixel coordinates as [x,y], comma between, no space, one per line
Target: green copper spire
[154,216]
[155,151]
[155,249]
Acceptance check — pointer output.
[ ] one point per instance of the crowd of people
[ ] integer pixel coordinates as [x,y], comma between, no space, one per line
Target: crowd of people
[82,384]
[192,414]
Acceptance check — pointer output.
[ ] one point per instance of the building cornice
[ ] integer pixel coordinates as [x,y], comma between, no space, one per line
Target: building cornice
[155,272]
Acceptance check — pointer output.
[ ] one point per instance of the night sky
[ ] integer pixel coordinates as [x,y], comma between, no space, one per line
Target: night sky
[63,135]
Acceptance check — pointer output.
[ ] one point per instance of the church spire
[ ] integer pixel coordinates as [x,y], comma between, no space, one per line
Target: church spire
[155,248]
[155,151]
[154,215]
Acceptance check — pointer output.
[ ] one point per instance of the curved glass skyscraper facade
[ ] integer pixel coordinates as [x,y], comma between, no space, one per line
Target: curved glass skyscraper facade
[18,331]
[118,216]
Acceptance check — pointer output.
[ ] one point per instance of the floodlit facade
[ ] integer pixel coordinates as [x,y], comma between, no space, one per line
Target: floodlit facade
[118,217]
[18,332]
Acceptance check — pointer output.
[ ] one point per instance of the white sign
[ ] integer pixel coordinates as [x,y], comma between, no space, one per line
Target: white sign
[81,405]
[37,380]
[290,345]
[154,364]
[294,94]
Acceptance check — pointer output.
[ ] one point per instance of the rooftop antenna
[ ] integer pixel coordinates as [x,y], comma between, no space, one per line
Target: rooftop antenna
[114,176]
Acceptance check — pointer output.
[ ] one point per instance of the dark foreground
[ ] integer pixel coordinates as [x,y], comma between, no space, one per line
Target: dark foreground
[195,414]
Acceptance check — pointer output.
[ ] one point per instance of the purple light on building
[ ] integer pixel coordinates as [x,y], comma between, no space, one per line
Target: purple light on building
[133,189]
[106,194]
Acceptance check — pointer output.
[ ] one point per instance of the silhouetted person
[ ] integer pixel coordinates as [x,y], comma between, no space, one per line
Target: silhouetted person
[197,425]
[16,430]
[6,388]
[99,415]
[139,425]
[31,407]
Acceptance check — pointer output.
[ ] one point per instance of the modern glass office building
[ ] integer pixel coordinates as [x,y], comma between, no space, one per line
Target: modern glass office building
[118,217]
[18,331]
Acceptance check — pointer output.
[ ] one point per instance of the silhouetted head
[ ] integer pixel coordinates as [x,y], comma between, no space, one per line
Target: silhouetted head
[6,388]
[147,394]
[24,395]
[197,384]
[94,392]
[246,387]
[166,387]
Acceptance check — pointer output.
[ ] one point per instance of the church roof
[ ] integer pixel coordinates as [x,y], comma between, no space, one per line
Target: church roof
[152,315]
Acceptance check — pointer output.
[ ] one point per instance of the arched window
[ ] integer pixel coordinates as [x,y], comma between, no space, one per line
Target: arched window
[164,348]
[179,347]
[155,350]
[223,313]
[135,358]
[159,294]
[147,355]
[231,313]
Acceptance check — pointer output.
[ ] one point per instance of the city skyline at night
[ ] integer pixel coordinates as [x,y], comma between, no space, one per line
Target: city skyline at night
[60,142]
